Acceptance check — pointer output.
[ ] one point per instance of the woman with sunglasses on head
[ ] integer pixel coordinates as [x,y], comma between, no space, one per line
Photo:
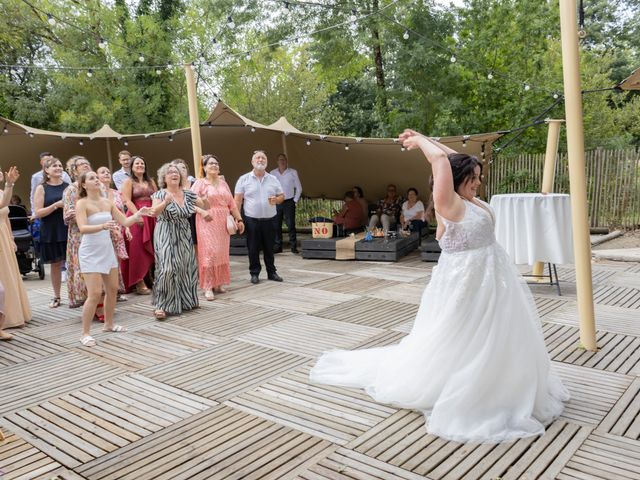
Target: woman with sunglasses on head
[76,166]
[175,289]
[211,228]
[97,216]
[48,203]
[137,192]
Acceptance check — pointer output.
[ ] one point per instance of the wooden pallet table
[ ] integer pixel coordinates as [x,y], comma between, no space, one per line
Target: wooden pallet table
[324,248]
[387,249]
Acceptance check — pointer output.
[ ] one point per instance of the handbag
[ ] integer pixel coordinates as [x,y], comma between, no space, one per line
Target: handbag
[232,226]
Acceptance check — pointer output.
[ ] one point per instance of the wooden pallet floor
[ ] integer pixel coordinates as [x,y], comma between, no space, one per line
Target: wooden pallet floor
[223,391]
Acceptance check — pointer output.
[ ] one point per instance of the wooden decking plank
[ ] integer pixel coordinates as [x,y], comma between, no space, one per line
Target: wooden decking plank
[621,417]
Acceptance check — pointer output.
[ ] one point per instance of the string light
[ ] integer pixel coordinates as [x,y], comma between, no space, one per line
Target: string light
[555,96]
[406,35]
[51,20]
[402,149]
[247,56]
[354,15]
[253,129]
[31,135]
[5,129]
[490,75]
[81,142]
[453,59]
[141,58]
[102,43]
[158,71]
[125,143]
[527,87]
[346,147]
[171,138]
[230,22]
[90,73]
[308,142]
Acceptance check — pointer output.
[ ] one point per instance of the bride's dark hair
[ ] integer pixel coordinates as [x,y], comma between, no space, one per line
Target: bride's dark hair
[462,168]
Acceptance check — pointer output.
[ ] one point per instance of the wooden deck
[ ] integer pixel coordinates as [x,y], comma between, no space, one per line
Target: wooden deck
[223,392]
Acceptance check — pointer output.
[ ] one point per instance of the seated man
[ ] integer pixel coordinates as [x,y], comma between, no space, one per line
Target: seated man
[388,210]
[350,217]
[412,216]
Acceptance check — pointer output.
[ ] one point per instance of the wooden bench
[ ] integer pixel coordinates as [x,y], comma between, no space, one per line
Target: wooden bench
[319,248]
[430,250]
[387,249]
[238,245]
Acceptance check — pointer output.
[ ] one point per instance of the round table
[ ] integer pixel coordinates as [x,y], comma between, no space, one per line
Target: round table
[534,227]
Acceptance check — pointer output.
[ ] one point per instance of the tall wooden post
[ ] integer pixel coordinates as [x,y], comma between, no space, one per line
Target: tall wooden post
[194,119]
[577,178]
[109,160]
[553,137]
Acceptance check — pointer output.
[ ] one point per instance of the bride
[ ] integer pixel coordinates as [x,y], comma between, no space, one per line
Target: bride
[475,361]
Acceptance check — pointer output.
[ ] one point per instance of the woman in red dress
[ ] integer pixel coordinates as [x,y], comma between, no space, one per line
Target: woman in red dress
[137,192]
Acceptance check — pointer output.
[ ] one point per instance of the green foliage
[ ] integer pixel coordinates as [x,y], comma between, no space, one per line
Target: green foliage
[362,79]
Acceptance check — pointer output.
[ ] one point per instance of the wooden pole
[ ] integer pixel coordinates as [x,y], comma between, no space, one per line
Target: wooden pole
[194,119]
[577,178]
[109,160]
[553,137]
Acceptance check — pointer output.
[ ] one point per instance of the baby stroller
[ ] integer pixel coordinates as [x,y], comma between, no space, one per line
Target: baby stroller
[25,234]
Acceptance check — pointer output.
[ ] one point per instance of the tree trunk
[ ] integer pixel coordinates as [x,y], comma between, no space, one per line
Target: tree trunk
[381,92]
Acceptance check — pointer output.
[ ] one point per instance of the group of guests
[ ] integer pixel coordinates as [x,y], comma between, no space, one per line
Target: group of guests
[143,236]
[390,212]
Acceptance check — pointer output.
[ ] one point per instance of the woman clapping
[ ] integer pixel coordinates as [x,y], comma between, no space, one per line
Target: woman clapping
[96,217]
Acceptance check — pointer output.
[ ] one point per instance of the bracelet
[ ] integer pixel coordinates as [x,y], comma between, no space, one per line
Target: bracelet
[9,184]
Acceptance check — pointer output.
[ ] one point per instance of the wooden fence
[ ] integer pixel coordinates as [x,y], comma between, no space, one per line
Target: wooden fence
[613,182]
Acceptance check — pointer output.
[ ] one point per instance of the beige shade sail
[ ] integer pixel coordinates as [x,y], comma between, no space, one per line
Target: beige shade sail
[632,82]
[325,167]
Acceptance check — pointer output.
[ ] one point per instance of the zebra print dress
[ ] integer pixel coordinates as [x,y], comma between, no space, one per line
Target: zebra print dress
[176,284]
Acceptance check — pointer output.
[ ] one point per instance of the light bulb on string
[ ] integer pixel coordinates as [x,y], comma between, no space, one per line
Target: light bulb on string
[490,75]
[527,87]
[31,135]
[346,147]
[171,138]
[453,59]
[158,71]
[102,43]
[169,66]
[230,23]
[247,56]
[90,73]
[464,140]
[5,129]
[141,58]
[81,142]
[402,149]
[253,129]
[125,143]
[354,15]
[308,142]
[556,96]
[405,35]
[51,20]
[286,5]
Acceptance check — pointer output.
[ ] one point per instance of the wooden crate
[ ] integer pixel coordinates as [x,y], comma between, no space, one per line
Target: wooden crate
[319,248]
[386,249]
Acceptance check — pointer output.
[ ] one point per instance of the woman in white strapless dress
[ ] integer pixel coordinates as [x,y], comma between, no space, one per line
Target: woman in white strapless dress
[95,216]
[475,361]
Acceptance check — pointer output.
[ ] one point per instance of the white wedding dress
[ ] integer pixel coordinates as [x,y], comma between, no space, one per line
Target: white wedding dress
[475,361]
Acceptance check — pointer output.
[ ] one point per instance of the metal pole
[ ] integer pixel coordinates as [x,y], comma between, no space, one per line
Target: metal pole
[553,137]
[194,119]
[577,178]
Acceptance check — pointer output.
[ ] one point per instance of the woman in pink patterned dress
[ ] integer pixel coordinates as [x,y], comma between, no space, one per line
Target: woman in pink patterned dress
[76,288]
[117,234]
[211,228]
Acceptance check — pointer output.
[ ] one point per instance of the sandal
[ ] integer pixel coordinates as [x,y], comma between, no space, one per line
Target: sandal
[88,341]
[160,314]
[221,290]
[143,290]
[98,317]
[55,303]
[121,298]
[4,336]
[116,329]
[209,295]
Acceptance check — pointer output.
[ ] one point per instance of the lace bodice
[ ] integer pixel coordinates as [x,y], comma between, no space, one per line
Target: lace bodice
[475,230]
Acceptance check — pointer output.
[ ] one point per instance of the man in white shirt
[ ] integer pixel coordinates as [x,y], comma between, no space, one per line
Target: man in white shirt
[292,188]
[260,192]
[36,178]
[120,176]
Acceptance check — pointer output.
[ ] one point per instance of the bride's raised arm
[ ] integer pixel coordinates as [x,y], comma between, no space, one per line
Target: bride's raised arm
[445,199]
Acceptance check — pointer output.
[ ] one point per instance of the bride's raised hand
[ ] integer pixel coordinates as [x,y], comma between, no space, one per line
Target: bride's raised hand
[411,139]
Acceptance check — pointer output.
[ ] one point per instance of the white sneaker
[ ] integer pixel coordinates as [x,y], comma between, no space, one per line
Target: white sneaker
[64,276]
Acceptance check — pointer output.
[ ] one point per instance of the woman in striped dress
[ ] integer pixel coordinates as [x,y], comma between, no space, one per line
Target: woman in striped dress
[176,284]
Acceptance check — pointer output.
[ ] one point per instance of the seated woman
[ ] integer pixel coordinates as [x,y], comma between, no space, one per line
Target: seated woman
[358,196]
[412,216]
[350,217]
[388,210]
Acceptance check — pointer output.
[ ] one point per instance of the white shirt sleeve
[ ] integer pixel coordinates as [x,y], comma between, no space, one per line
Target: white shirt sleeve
[298,186]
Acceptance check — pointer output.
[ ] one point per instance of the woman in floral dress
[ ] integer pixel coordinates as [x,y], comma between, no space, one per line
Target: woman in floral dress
[76,288]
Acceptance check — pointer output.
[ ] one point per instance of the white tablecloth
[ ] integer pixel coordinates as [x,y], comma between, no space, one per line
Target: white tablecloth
[533,227]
